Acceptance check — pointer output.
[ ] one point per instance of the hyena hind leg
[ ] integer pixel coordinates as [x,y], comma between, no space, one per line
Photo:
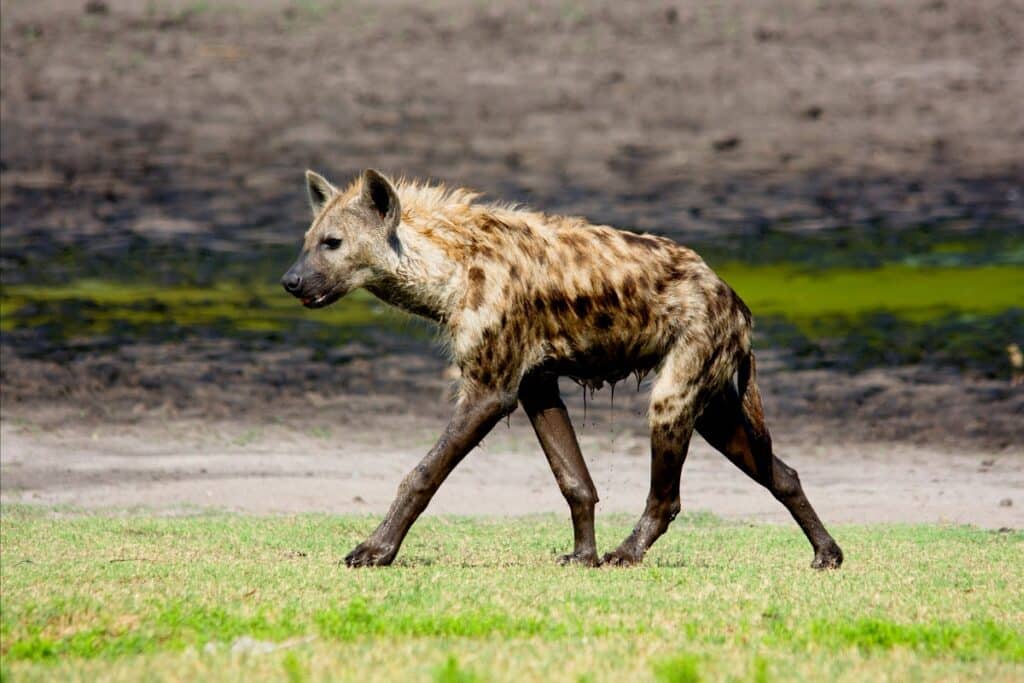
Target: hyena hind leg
[739,432]
[674,405]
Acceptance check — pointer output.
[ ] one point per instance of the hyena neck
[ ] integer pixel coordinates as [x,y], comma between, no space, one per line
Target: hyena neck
[414,277]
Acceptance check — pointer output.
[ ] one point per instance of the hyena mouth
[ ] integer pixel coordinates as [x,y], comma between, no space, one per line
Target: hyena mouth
[320,301]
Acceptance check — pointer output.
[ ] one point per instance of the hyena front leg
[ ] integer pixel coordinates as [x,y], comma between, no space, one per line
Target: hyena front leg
[547,413]
[472,421]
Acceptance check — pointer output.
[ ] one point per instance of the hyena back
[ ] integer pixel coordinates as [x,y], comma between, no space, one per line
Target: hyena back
[523,298]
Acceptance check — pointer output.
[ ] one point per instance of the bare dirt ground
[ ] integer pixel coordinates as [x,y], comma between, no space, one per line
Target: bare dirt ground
[190,123]
[323,466]
[184,120]
[867,449]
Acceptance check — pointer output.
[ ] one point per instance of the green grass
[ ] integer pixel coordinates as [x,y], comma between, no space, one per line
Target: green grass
[87,596]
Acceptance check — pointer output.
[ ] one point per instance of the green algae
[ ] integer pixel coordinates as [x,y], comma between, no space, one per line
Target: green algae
[88,308]
[914,293]
[793,293]
[855,298]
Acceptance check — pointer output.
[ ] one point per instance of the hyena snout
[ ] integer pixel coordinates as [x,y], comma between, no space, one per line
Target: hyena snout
[299,282]
[310,286]
[292,282]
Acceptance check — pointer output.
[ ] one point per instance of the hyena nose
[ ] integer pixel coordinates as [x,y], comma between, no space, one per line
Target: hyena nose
[292,282]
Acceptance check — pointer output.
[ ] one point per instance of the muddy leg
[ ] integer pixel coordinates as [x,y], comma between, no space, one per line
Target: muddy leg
[745,441]
[543,405]
[470,423]
[669,444]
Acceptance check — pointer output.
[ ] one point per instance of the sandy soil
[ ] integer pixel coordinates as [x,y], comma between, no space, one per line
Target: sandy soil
[340,448]
[275,468]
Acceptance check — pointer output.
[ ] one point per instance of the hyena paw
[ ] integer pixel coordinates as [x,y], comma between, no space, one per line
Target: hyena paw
[829,557]
[584,559]
[621,558]
[369,554]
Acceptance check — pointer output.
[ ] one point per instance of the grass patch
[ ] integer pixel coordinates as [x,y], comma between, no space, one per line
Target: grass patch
[972,641]
[121,597]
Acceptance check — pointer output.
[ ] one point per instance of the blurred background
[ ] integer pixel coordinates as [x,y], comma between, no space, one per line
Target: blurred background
[854,169]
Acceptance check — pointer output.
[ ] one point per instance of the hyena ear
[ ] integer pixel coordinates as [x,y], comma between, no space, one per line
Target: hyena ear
[379,196]
[319,190]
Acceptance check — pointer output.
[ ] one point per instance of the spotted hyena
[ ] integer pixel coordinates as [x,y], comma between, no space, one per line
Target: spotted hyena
[523,298]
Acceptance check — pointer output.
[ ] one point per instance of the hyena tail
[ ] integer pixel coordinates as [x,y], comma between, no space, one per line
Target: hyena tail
[750,397]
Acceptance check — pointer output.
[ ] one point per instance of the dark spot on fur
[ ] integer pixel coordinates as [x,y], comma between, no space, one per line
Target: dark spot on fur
[529,245]
[641,241]
[678,271]
[628,287]
[609,298]
[492,225]
[539,304]
[513,271]
[582,306]
[558,305]
[643,315]
[661,432]
[475,296]
[603,321]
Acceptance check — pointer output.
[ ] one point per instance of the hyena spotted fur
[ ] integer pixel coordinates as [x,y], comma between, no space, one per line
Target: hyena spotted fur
[522,298]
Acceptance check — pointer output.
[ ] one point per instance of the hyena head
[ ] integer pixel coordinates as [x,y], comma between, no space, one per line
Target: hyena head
[348,240]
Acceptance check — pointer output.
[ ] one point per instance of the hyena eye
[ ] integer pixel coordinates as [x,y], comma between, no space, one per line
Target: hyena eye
[331,243]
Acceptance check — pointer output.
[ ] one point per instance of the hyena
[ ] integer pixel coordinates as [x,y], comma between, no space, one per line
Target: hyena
[523,298]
